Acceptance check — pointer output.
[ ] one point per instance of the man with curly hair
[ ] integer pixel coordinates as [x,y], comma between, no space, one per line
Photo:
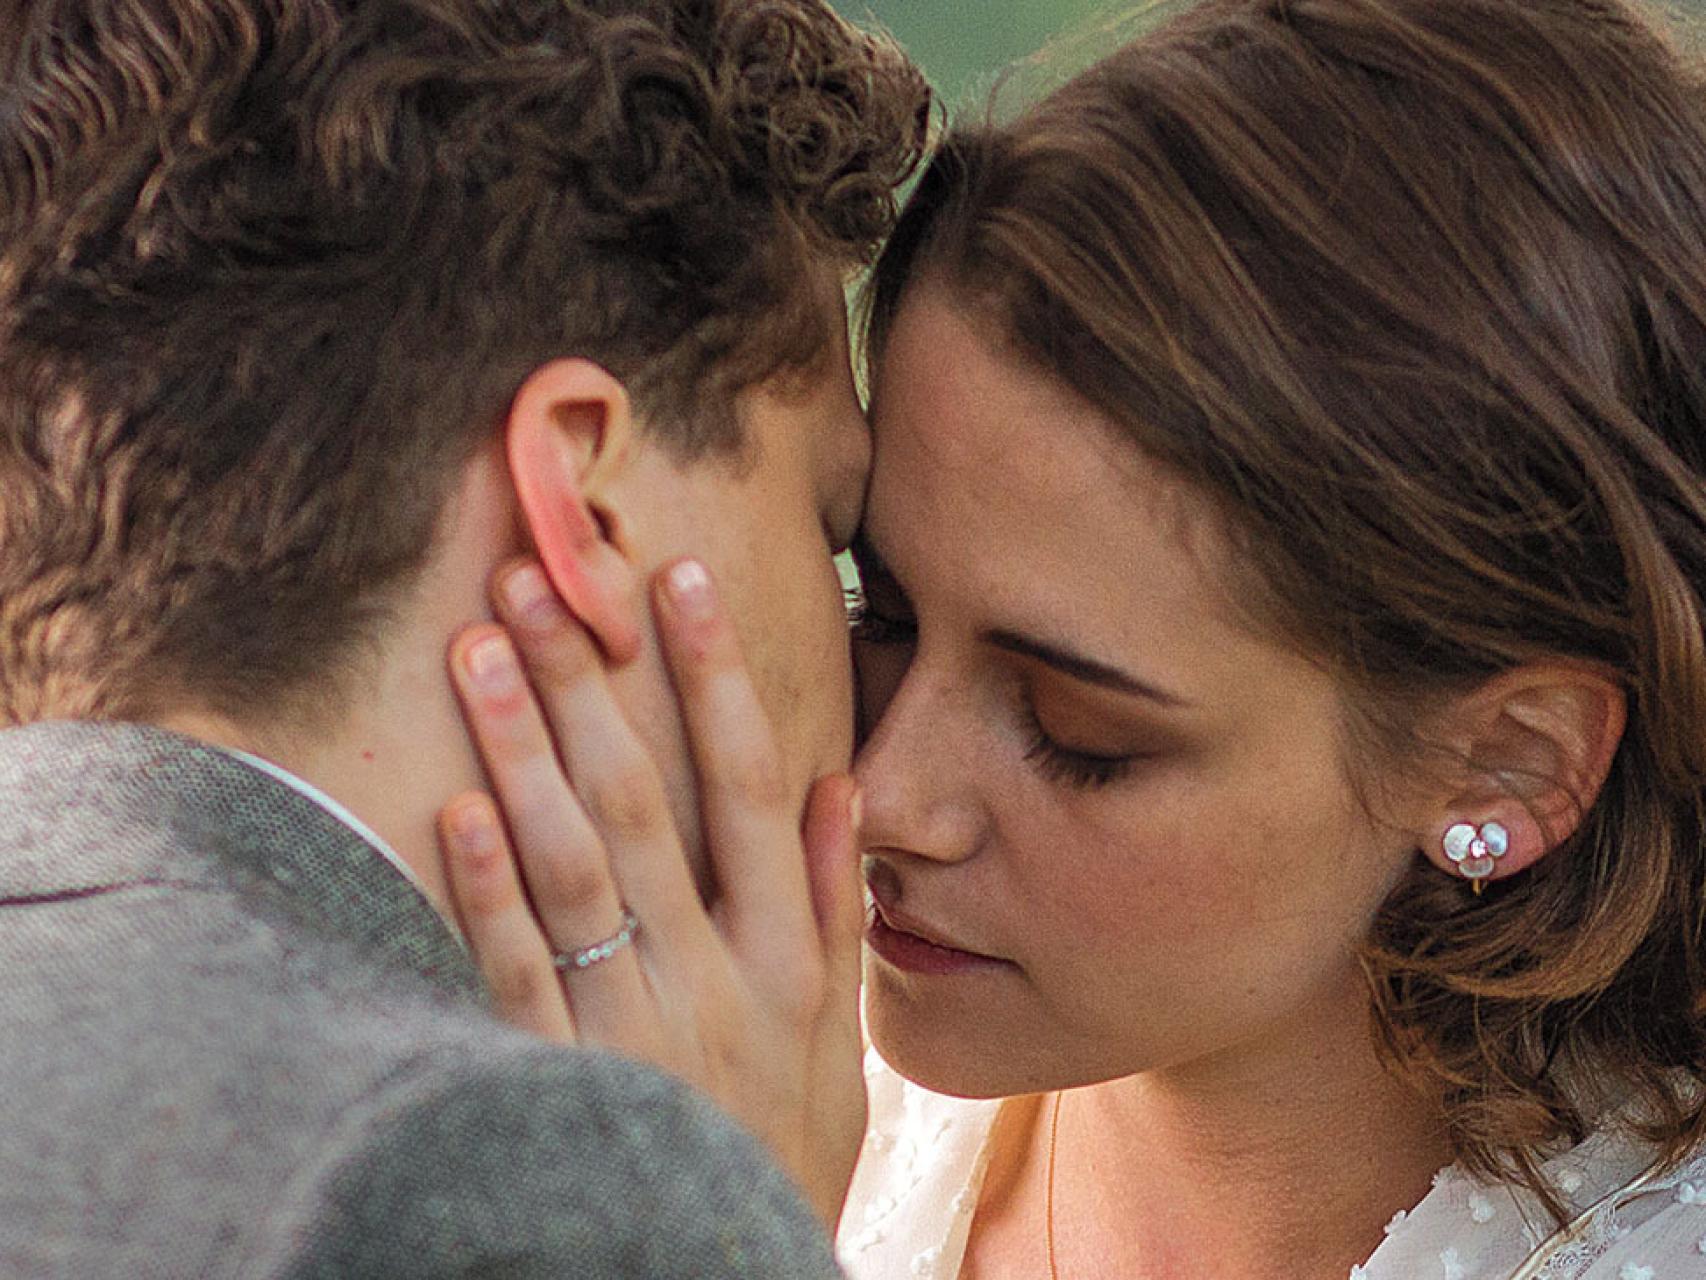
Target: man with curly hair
[312,313]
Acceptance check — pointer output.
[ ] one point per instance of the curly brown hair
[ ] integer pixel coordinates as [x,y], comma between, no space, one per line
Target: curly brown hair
[1416,290]
[271,269]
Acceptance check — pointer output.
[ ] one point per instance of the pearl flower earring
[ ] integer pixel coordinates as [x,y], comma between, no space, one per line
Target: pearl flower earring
[1476,850]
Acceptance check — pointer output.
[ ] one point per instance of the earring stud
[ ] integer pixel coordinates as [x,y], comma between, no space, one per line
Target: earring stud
[1476,850]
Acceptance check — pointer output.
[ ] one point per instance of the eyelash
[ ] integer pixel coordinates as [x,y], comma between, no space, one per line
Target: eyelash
[1080,769]
[1056,763]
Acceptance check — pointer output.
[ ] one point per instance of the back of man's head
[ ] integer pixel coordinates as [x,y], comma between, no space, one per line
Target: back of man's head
[271,271]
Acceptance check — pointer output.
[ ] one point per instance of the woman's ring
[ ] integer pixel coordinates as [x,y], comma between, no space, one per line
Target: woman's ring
[598,952]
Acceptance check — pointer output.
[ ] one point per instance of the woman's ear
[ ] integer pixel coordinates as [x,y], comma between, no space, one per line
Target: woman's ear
[567,435]
[1538,742]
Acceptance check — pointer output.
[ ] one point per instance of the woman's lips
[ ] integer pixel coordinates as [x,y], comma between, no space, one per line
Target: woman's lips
[915,947]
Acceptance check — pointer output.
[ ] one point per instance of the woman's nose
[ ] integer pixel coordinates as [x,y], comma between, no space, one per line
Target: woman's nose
[917,775]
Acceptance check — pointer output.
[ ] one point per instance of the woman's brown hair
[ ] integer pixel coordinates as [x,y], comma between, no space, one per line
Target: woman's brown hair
[1416,291]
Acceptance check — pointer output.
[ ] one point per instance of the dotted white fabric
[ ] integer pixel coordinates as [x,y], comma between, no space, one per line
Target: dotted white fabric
[921,1172]
[910,1206]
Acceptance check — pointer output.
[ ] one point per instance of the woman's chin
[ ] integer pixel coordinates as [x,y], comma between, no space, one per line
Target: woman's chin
[949,1055]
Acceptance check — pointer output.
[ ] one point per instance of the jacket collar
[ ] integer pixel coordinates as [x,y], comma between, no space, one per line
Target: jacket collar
[80,798]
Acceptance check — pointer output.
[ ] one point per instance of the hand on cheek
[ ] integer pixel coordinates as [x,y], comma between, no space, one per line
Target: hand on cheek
[583,914]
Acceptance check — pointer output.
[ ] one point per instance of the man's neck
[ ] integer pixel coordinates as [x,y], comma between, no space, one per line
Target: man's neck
[395,771]
[396,749]
[391,775]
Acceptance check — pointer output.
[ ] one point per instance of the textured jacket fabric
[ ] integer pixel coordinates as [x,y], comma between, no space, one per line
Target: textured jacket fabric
[236,1041]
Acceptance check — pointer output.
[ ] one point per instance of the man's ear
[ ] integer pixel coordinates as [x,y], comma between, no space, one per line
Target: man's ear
[568,434]
[1538,741]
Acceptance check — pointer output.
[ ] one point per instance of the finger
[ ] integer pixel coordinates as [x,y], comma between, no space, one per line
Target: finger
[562,862]
[831,833]
[611,772]
[508,947]
[751,818]
[831,839]
[751,822]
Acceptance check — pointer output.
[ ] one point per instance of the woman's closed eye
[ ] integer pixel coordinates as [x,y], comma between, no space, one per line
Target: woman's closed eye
[1068,734]
[1086,770]
[1084,767]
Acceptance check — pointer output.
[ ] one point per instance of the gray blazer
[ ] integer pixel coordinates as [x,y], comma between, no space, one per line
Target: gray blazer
[234,1041]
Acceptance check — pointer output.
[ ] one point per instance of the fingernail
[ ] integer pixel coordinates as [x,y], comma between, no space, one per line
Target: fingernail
[690,590]
[532,599]
[472,829]
[491,665]
[856,810]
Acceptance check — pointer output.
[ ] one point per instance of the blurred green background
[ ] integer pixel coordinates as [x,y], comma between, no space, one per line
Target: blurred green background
[963,44]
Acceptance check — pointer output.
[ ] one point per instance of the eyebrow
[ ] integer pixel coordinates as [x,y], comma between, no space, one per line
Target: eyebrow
[1081,668]
[1064,661]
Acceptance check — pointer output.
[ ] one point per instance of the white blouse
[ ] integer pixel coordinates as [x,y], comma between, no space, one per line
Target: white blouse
[921,1172]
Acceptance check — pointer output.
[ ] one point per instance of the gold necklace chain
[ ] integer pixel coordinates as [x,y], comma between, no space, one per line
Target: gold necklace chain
[1048,1194]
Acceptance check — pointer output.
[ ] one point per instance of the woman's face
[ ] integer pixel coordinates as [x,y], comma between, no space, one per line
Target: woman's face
[1127,814]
